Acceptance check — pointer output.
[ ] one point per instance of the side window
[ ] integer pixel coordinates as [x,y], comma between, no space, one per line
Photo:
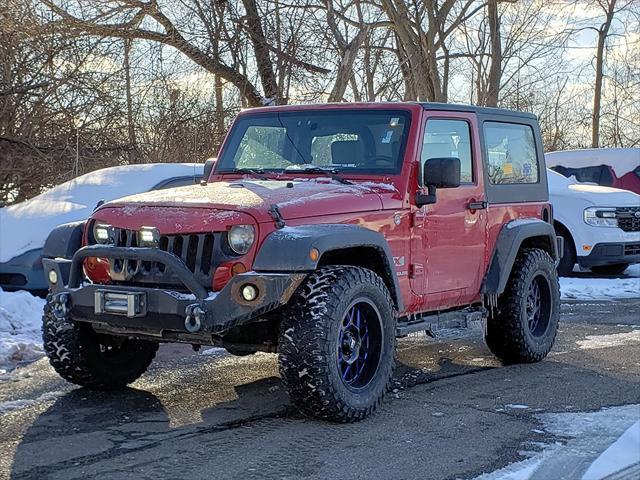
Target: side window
[449,138]
[511,153]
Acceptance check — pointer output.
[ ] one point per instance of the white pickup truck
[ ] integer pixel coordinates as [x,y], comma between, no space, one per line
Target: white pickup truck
[600,225]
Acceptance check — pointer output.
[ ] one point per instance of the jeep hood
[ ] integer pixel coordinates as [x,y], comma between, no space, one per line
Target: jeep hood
[295,199]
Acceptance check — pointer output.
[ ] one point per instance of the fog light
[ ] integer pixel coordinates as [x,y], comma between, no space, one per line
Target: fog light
[249,292]
[53,277]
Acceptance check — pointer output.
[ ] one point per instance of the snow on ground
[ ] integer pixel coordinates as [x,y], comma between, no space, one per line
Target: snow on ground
[20,328]
[26,225]
[12,405]
[594,446]
[621,454]
[585,288]
[593,342]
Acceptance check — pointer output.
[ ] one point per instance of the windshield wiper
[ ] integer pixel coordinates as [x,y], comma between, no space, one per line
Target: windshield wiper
[331,172]
[256,172]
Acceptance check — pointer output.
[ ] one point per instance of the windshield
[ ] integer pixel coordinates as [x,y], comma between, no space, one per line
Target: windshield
[345,141]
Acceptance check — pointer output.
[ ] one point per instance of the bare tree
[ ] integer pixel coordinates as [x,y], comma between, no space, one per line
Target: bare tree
[609,8]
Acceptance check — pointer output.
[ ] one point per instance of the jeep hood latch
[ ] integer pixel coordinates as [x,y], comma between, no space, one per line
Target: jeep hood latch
[277,216]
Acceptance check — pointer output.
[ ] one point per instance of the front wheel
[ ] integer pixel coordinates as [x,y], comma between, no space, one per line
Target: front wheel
[337,344]
[523,327]
[81,356]
[568,260]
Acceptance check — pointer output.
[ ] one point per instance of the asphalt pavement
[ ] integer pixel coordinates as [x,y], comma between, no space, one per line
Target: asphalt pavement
[456,412]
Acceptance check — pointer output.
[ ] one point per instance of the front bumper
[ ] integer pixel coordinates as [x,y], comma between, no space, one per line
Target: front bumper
[611,254]
[23,272]
[165,313]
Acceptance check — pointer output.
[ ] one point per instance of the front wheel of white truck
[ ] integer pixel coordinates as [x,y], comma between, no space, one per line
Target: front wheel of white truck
[337,344]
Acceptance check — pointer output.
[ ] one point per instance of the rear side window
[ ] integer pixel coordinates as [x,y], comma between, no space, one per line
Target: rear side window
[511,153]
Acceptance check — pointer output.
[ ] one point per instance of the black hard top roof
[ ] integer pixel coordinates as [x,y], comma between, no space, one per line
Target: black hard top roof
[454,107]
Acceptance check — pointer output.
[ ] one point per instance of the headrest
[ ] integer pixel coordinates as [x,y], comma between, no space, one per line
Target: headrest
[347,152]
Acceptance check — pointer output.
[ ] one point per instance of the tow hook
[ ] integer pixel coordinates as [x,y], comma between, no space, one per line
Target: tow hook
[195,316]
[61,305]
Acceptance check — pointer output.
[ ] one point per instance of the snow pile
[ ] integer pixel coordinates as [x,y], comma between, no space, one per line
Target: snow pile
[25,226]
[623,453]
[595,444]
[20,328]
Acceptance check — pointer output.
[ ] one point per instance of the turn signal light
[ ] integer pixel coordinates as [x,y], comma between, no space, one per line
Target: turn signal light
[237,269]
[225,272]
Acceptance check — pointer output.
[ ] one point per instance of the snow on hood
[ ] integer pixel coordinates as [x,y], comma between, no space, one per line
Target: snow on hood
[621,160]
[296,198]
[560,186]
[26,225]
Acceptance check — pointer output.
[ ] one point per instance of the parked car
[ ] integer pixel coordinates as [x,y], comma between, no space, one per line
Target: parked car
[609,167]
[600,225]
[324,232]
[25,226]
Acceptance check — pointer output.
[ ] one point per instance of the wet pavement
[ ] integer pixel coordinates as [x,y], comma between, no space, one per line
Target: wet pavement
[456,411]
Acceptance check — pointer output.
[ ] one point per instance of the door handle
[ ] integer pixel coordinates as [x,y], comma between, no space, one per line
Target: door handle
[481,205]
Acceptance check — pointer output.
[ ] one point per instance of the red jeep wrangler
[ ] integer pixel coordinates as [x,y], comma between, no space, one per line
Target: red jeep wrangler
[323,233]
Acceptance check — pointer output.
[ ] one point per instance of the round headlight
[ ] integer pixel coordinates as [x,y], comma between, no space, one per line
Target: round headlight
[241,238]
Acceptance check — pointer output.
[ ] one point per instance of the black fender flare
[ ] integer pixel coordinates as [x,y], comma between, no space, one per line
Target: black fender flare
[287,249]
[64,240]
[510,239]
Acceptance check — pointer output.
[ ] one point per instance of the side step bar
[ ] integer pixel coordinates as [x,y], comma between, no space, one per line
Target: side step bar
[433,322]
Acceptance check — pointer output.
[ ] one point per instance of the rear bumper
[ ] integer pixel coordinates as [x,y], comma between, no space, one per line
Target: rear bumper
[611,254]
[164,313]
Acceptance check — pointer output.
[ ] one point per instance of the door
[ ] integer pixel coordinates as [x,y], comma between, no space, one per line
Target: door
[451,231]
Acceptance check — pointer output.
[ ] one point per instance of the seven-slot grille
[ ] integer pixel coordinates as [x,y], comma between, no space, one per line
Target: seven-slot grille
[627,219]
[200,252]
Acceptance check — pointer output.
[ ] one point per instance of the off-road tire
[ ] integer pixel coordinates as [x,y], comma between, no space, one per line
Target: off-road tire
[74,351]
[616,269]
[509,334]
[309,337]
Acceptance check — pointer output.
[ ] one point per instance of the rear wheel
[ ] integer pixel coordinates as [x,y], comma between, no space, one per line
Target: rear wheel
[616,269]
[82,356]
[337,344]
[523,327]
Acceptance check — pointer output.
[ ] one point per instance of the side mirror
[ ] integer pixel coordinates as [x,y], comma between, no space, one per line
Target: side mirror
[438,173]
[208,168]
